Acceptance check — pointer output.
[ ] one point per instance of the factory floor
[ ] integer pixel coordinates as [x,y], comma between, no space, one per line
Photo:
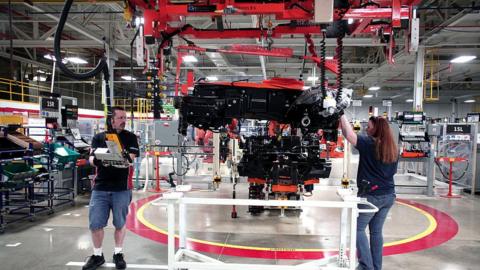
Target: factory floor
[420,233]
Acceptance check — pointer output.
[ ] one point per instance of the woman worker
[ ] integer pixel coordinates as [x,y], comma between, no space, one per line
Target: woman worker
[377,165]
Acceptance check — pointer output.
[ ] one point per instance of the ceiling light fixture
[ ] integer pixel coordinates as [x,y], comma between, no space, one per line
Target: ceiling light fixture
[409,100]
[350,20]
[51,57]
[368,96]
[212,78]
[463,59]
[311,78]
[189,59]
[128,78]
[39,78]
[374,88]
[470,101]
[76,60]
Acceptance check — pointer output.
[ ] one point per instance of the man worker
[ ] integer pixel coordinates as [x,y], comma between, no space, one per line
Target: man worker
[111,191]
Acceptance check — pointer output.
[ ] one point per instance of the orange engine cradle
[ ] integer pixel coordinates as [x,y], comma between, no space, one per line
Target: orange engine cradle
[332,147]
[311,182]
[282,187]
[258,181]
[285,188]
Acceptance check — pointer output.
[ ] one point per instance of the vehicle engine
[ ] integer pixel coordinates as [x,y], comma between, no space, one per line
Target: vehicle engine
[279,165]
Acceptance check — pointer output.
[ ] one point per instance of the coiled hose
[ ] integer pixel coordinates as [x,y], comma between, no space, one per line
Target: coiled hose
[321,66]
[101,66]
[339,55]
[323,57]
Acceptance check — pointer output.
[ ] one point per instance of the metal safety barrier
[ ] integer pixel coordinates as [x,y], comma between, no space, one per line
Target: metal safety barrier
[343,261]
[20,91]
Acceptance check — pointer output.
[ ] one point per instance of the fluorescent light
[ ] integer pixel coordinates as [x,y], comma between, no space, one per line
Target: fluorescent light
[311,78]
[409,100]
[139,21]
[306,87]
[39,78]
[350,20]
[212,78]
[463,59]
[128,78]
[368,96]
[190,59]
[374,88]
[76,60]
[329,57]
[51,57]
[469,101]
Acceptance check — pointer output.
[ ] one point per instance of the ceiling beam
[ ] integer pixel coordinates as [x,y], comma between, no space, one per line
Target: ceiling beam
[296,41]
[42,43]
[402,56]
[49,33]
[77,27]
[20,33]
[26,60]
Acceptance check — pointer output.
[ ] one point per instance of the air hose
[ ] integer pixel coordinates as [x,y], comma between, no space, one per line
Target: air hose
[323,57]
[321,66]
[101,66]
[339,55]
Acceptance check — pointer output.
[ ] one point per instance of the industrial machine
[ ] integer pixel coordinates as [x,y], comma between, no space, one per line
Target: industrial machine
[413,139]
[277,165]
[214,105]
[283,167]
[459,140]
[417,140]
[163,19]
[70,131]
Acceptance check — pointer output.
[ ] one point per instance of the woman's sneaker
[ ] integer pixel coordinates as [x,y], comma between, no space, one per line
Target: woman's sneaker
[119,261]
[94,262]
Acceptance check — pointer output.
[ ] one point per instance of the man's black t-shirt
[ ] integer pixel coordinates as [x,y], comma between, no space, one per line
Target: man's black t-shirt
[112,178]
[373,170]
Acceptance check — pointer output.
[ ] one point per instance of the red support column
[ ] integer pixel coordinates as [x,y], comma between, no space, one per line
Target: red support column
[396,10]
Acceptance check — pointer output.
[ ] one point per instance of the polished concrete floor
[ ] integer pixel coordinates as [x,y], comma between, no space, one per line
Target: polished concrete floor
[52,242]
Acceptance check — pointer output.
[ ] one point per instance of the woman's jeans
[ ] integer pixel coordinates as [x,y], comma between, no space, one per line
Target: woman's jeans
[370,255]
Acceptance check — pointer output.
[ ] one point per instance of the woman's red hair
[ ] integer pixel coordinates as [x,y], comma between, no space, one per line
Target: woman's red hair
[386,148]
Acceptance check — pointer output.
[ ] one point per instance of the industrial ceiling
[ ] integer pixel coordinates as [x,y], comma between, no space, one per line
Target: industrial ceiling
[448,29]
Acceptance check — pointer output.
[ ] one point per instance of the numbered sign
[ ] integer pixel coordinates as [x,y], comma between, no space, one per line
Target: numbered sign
[49,104]
[458,129]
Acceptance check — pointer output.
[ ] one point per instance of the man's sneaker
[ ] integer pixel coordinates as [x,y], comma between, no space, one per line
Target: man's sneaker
[119,261]
[94,262]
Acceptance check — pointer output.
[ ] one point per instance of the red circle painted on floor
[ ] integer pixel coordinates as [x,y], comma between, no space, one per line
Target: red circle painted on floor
[446,229]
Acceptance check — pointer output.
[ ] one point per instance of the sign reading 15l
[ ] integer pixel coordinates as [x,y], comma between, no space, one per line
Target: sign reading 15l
[458,129]
[49,104]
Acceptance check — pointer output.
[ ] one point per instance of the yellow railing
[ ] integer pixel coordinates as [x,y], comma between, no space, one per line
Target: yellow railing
[20,91]
[141,106]
[144,107]
[431,84]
